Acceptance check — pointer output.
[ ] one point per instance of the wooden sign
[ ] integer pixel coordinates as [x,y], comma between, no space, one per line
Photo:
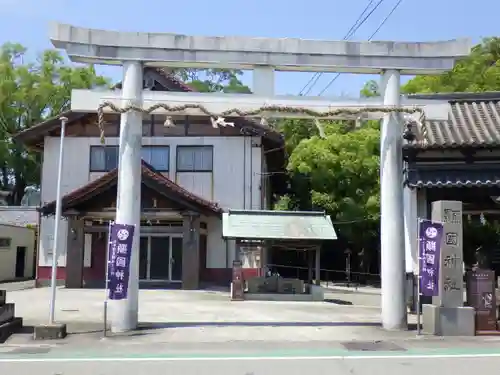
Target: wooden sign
[481,296]
[237,285]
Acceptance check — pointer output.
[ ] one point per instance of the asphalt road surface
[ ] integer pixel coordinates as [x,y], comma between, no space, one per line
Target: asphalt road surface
[257,366]
[365,364]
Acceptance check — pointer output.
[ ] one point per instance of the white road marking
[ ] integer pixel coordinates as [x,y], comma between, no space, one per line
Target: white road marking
[227,359]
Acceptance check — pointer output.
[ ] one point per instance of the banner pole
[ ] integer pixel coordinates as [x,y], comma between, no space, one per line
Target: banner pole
[418,279]
[105,313]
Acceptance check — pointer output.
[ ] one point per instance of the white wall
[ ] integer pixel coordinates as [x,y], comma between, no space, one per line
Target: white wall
[20,236]
[231,185]
[19,215]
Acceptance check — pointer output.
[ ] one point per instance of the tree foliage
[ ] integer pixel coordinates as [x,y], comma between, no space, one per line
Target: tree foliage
[478,72]
[213,80]
[342,172]
[370,89]
[31,92]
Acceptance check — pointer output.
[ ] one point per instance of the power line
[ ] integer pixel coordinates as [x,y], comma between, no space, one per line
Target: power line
[369,39]
[316,75]
[359,22]
[385,19]
[350,34]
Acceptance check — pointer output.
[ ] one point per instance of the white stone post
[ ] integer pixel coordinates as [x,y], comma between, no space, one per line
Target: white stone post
[392,217]
[263,81]
[411,229]
[128,201]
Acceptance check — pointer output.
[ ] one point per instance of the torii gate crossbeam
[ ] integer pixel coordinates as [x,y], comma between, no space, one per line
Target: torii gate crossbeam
[264,56]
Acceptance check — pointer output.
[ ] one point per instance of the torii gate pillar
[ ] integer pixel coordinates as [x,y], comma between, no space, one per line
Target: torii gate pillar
[124,313]
[392,244]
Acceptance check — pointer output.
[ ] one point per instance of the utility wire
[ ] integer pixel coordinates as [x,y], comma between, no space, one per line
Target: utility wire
[385,19]
[369,39]
[316,75]
[359,22]
[349,35]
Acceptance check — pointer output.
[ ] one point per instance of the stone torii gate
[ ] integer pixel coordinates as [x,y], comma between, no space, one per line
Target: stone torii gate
[264,56]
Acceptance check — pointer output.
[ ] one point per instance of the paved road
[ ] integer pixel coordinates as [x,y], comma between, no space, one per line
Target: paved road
[204,333]
[277,365]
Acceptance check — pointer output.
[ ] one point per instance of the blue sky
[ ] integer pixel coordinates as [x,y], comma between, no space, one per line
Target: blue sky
[26,22]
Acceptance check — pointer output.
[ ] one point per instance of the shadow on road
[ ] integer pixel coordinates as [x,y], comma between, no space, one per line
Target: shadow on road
[338,301]
[160,325]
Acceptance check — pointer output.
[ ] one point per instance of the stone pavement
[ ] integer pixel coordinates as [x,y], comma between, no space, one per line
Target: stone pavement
[203,316]
[194,319]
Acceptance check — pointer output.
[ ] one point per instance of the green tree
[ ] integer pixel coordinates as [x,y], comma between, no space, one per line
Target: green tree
[338,173]
[343,170]
[213,80]
[478,72]
[31,92]
[370,89]
[295,131]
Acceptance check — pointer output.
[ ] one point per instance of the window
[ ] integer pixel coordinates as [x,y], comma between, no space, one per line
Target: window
[156,156]
[103,158]
[194,159]
[5,242]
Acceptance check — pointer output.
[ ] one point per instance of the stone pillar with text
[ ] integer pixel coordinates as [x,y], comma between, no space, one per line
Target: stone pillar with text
[447,316]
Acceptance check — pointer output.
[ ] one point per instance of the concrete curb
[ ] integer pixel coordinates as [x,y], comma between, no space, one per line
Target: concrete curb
[18,285]
[351,290]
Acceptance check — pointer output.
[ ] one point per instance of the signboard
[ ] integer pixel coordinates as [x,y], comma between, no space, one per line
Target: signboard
[237,281]
[430,236]
[481,296]
[451,285]
[121,237]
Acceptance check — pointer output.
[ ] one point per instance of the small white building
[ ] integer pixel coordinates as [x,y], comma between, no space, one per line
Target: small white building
[192,173]
[17,252]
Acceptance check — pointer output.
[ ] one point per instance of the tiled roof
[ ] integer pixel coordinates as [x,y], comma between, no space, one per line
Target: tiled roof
[110,179]
[474,121]
[486,175]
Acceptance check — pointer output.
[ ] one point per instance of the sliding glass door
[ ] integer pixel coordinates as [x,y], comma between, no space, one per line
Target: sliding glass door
[160,258]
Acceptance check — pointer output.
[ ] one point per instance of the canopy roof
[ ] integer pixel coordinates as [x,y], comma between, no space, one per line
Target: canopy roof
[279,225]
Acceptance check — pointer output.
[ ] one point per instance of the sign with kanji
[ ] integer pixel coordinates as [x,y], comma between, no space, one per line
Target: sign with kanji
[121,237]
[451,283]
[430,236]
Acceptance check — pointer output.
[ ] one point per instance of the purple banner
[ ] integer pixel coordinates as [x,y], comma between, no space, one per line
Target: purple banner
[430,235]
[119,251]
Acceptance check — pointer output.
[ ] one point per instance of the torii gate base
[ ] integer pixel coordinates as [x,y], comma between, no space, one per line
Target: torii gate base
[264,56]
